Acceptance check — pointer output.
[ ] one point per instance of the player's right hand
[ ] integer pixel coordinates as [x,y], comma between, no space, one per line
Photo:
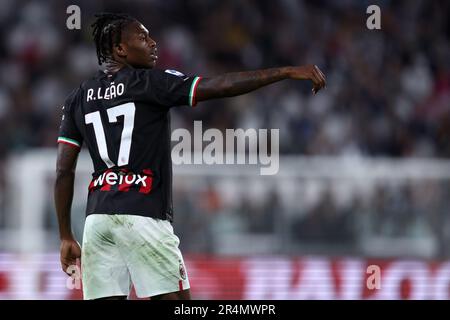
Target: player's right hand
[70,252]
[310,72]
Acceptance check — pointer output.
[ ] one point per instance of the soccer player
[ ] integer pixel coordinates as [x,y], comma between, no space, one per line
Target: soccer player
[122,116]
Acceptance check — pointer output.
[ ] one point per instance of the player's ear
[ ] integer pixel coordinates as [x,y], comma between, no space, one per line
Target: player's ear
[120,50]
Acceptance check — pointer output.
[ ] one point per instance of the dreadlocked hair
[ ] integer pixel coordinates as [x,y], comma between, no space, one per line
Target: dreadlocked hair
[107,31]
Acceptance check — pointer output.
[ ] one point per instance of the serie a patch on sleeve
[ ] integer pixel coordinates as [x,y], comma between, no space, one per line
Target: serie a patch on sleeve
[175,73]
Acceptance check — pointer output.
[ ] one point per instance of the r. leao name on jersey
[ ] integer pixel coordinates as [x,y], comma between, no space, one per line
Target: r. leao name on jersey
[108,93]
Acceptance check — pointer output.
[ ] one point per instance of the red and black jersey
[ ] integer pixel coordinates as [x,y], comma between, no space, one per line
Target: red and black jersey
[124,121]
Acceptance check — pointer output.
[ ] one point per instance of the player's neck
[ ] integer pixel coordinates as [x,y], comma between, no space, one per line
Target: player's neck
[113,66]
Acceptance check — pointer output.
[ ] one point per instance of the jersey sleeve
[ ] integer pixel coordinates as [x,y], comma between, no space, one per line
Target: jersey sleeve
[169,88]
[68,131]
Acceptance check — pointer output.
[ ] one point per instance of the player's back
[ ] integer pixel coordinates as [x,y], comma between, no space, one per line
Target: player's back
[123,119]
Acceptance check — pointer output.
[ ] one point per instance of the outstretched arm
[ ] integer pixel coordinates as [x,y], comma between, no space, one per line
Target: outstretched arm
[237,83]
[65,177]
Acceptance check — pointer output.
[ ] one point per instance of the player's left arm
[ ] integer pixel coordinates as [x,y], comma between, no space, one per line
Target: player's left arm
[171,88]
[63,194]
[237,83]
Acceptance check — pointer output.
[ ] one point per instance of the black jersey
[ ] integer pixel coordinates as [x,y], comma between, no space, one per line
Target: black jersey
[124,121]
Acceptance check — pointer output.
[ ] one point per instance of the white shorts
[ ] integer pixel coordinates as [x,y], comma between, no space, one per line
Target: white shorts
[120,250]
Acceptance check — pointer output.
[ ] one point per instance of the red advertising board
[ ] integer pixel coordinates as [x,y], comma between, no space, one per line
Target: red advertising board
[249,278]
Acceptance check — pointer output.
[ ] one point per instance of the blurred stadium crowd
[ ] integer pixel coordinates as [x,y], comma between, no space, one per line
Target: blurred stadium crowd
[388,91]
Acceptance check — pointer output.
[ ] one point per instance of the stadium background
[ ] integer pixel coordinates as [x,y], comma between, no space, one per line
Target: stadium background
[364,172]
